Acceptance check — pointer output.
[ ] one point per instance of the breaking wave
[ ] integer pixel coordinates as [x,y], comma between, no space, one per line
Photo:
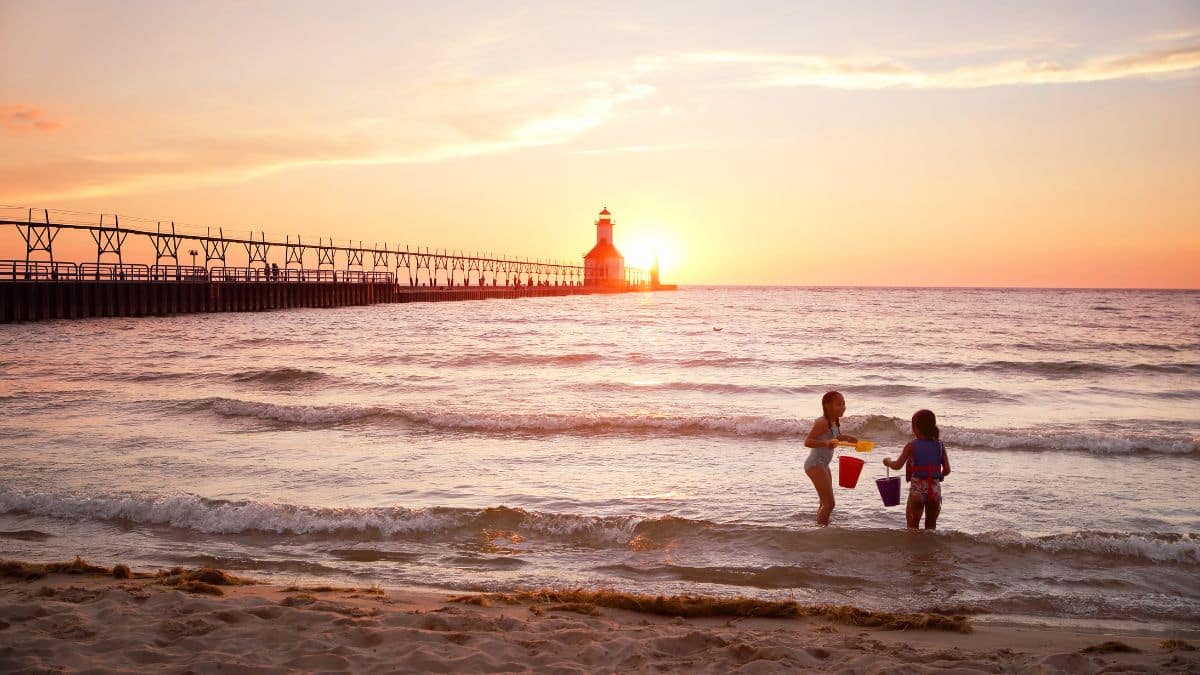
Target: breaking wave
[215,516]
[279,376]
[880,428]
[724,360]
[971,394]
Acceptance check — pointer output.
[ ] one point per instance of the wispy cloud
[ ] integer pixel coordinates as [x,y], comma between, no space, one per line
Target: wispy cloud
[784,70]
[191,164]
[470,118]
[1186,34]
[21,119]
[456,114]
[635,149]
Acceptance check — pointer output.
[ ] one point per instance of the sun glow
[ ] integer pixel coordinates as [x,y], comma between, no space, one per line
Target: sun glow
[642,243]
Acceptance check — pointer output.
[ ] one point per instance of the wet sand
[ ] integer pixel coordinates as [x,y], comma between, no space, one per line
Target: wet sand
[96,622]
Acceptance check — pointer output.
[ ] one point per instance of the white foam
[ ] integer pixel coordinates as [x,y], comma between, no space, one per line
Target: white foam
[1181,548]
[877,427]
[196,513]
[1099,442]
[217,517]
[743,425]
[295,414]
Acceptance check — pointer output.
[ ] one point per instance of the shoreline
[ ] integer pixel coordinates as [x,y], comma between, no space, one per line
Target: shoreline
[79,617]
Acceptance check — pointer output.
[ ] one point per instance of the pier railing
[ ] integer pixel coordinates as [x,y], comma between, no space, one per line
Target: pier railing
[20,270]
[253,274]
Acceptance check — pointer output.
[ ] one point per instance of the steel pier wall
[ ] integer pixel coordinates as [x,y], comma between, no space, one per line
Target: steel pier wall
[42,300]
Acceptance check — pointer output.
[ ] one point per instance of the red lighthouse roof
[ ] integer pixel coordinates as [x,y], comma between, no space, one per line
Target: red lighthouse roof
[605,212]
[603,250]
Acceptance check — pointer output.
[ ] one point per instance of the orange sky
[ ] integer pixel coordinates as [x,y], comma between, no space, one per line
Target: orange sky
[1034,144]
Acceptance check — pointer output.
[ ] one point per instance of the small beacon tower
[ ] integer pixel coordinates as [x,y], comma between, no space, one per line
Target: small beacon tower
[604,265]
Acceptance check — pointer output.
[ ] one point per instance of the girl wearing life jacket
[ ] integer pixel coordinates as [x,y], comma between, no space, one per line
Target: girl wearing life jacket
[823,438]
[926,464]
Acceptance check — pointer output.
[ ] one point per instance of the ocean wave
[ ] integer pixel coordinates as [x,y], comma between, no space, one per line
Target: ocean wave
[480,562]
[149,376]
[274,377]
[1157,547]
[271,340]
[972,394]
[529,423]
[1086,603]
[1177,394]
[26,535]
[724,360]
[360,524]
[706,387]
[370,555]
[1073,368]
[771,577]
[882,429]
[291,414]
[964,394]
[277,377]
[217,516]
[1045,367]
[1097,442]
[519,359]
[885,429]
[293,566]
[131,376]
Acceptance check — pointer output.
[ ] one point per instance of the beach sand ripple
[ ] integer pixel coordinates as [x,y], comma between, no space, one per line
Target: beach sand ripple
[78,622]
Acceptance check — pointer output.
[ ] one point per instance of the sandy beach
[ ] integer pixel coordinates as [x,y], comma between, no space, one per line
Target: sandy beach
[92,621]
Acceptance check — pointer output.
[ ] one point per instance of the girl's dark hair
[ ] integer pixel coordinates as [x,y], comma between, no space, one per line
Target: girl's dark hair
[925,422]
[826,400]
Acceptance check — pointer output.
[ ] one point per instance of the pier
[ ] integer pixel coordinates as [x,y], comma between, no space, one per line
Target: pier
[35,290]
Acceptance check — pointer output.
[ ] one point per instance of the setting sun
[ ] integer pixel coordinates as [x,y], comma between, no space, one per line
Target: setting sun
[640,243]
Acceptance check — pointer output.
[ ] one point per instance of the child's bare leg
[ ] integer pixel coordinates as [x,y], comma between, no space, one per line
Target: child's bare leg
[932,509]
[913,511]
[822,480]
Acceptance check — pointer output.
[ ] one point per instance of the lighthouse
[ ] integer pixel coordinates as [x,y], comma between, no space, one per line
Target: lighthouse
[604,265]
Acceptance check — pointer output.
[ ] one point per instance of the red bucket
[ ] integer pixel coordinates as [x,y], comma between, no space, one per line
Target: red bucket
[848,470]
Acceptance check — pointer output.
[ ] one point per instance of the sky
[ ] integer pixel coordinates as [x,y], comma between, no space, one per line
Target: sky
[1046,144]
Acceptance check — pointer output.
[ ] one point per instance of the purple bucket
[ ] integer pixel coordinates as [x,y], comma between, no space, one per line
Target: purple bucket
[889,490]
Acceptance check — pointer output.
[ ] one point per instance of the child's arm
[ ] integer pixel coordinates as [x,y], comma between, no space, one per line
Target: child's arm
[848,438]
[819,427]
[901,460]
[945,462]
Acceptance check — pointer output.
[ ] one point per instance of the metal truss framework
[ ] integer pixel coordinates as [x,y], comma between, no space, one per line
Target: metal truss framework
[422,267]
[166,245]
[109,240]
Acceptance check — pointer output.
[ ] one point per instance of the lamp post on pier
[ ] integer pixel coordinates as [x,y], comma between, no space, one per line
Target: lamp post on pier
[193,252]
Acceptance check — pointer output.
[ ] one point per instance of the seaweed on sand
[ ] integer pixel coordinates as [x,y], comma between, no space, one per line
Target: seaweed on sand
[200,580]
[692,606]
[30,571]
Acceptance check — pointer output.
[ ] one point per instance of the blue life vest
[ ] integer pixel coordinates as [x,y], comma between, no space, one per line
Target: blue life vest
[926,460]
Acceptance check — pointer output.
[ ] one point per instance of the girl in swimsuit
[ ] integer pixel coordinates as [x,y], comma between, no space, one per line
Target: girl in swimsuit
[926,464]
[823,438]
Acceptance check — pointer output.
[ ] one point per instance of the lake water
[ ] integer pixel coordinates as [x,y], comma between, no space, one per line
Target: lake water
[621,441]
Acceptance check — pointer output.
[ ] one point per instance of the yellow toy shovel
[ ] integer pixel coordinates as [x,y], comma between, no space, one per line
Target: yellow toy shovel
[861,446]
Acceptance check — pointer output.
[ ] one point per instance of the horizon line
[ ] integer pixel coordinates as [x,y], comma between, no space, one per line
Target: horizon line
[944,288]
